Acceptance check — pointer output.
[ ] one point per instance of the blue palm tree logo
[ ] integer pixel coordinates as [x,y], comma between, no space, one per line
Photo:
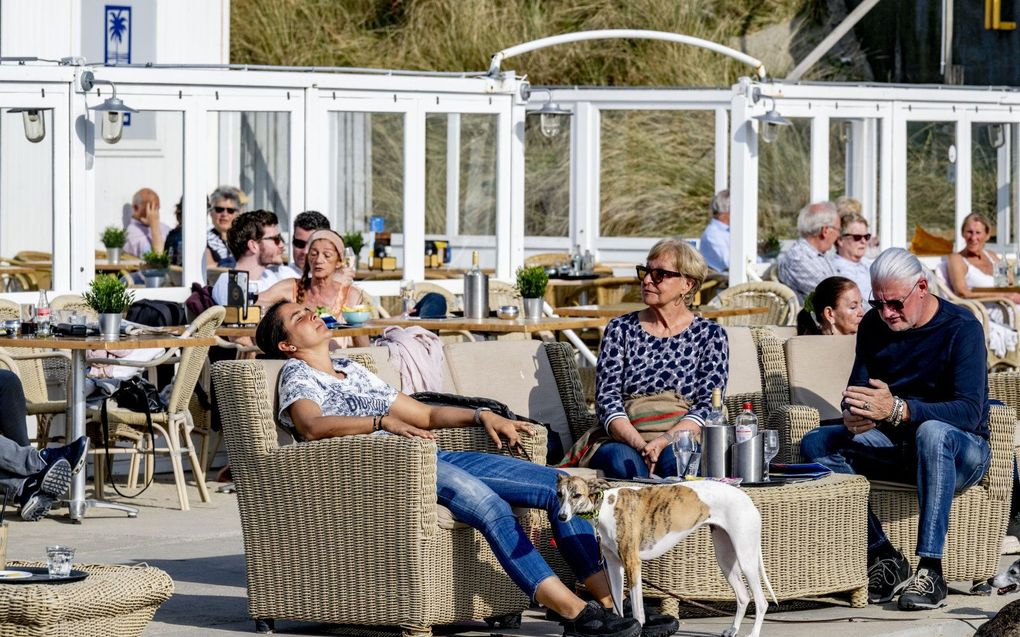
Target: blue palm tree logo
[118,25]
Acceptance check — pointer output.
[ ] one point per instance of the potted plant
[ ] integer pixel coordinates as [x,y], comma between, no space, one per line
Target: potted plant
[113,239]
[108,297]
[157,264]
[355,242]
[531,283]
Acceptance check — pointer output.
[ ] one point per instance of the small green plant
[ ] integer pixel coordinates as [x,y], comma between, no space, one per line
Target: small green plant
[107,294]
[156,260]
[354,241]
[532,281]
[113,237]
[769,247]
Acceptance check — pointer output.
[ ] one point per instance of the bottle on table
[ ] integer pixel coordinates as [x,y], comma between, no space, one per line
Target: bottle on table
[42,315]
[716,417]
[746,424]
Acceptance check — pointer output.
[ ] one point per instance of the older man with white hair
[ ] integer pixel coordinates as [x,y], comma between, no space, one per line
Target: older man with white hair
[808,262]
[916,411]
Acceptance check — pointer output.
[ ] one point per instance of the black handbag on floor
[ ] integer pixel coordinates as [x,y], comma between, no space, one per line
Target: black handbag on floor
[133,394]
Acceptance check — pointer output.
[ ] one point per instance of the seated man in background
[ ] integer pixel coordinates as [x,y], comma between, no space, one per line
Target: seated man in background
[256,243]
[808,262]
[145,231]
[715,240]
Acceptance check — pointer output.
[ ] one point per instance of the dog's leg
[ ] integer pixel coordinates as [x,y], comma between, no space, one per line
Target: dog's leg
[637,598]
[726,556]
[751,563]
[614,569]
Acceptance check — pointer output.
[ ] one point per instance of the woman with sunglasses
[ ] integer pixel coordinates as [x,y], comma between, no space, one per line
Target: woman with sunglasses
[224,206]
[325,282]
[322,397]
[834,308]
[662,348]
[851,247]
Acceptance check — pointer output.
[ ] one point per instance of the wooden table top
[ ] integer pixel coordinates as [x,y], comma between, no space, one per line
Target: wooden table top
[233,331]
[97,342]
[1010,289]
[495,325]
[129,266]
[619,309]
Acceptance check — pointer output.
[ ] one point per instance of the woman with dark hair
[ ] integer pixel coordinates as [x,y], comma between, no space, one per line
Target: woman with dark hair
[321,397]
[835,307]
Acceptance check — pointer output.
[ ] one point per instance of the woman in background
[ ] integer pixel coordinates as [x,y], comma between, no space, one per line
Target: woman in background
[835,307]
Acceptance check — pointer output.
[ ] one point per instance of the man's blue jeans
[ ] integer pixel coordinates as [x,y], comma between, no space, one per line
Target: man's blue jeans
[618,460]
[942,460]
[480,488]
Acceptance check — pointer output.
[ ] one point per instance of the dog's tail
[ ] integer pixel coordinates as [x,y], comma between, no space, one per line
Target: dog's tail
[765,576]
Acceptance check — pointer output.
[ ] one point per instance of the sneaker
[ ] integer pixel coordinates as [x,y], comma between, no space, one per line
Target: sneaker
[926,591]
[596,621]
[41,490]
[74,453]
[886,576]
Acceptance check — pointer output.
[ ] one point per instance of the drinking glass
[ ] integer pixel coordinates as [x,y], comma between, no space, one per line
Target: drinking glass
[770,447]
[687,452]
[58,561]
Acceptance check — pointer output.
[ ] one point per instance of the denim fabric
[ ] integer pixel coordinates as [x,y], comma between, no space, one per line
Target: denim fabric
[940,460]
[480,488]
[17,458]
[618,460]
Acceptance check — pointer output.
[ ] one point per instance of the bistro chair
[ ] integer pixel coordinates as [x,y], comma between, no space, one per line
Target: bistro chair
[780,300]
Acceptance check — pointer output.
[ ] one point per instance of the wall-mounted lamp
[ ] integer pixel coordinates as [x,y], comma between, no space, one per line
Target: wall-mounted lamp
[769,123]
[551,116]
[112,109]
[996,135]
[34,121]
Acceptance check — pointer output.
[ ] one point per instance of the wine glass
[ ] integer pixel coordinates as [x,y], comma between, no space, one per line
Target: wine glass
[686,450]
[770,447]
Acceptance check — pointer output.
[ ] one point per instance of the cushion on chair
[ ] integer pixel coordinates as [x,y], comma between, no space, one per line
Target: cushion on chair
[744,377]
[819,367]
[783,332]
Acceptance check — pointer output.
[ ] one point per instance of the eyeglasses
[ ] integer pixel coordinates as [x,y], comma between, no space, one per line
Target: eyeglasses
[857,237]
[277,239]
[299,243]
[658,274]
[896,305]
[232,211]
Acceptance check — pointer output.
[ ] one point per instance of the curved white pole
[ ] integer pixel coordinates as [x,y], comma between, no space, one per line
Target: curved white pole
[616,34]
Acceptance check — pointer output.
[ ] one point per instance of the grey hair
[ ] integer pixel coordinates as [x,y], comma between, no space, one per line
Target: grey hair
[226,192]
[815,216]
[720,203]
[897,265]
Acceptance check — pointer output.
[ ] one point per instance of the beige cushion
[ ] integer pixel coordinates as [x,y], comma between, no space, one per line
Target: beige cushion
[516,373]
[784,332]
[744,377]
[819,367]
[390,371]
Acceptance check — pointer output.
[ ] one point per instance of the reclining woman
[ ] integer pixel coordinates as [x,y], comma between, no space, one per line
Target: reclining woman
[834,308]
[656,371]
[321,397]
[325,282]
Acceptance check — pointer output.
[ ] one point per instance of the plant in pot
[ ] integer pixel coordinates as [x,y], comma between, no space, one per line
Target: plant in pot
[108,297]
[113,239]
[531,283]
[157,264]
[355,242]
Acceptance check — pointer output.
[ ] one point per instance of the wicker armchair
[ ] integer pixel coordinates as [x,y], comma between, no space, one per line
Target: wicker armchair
[978,519]
[980,311]
[781,301]
[347,530]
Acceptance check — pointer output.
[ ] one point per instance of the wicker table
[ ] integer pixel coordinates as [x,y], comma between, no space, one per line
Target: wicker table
[112,600]
[814,541]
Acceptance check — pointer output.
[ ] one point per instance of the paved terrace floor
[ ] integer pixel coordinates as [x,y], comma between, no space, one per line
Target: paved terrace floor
[202,550]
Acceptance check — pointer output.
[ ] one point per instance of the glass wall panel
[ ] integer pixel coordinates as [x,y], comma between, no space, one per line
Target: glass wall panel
[657,172]
[784,183]
[988,141]
[367,166]
[254,155]
[437,126]
[475,134]
[546,181]
[931,178]
[26,202]
[839,138]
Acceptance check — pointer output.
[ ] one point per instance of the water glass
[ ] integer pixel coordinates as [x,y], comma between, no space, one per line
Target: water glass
[58,561]
[687,452]
[770,447]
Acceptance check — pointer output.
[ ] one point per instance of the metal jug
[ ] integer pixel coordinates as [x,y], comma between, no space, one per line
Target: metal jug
[746,459]
[715,450]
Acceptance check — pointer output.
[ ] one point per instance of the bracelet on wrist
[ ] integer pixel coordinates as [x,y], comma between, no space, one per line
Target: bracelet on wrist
[478,414]
[377,422]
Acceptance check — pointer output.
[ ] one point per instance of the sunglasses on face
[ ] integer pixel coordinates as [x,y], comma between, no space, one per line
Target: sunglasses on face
[658,274]
[277,239]
[221,209]
[896,305]
[857,237]
[299,243]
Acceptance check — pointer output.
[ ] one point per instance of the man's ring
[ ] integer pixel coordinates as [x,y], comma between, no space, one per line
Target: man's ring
[866,406]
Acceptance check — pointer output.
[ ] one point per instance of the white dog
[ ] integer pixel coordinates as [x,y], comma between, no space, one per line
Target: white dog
[642,523]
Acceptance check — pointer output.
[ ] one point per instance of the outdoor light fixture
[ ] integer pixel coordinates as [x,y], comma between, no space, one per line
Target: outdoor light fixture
[551,115]
[112,109]
[769,123]
[34,122]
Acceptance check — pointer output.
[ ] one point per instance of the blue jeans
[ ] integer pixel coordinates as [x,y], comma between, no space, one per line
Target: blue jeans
[618,460]
[480,488]
[940,460]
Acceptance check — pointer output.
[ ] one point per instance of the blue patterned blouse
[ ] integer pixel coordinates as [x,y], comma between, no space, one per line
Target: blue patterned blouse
[633,362]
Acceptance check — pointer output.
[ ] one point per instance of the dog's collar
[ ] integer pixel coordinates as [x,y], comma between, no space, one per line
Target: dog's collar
[594,513]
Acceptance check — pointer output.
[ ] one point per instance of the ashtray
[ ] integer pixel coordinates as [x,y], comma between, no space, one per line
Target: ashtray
[507,312]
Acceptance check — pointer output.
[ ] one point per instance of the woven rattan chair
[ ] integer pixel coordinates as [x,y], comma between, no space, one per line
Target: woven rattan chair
[73,302]
[978,308]
[347,530]
[547,259]
[781,301]
[174,425]
[978,519]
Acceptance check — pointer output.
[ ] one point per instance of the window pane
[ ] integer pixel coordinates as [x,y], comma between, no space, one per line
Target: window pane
[478,174]
[367,165]
[546,181]
[839,137]
[657,172]
[784,180]
[986,139]
[931,178]
[255,157]
[436,126]
[27,191]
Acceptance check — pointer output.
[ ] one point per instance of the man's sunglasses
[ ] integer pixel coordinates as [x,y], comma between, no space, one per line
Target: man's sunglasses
[658,274]
[277,239]
[857,237]
[232,211]
[299,243]
[896,305]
